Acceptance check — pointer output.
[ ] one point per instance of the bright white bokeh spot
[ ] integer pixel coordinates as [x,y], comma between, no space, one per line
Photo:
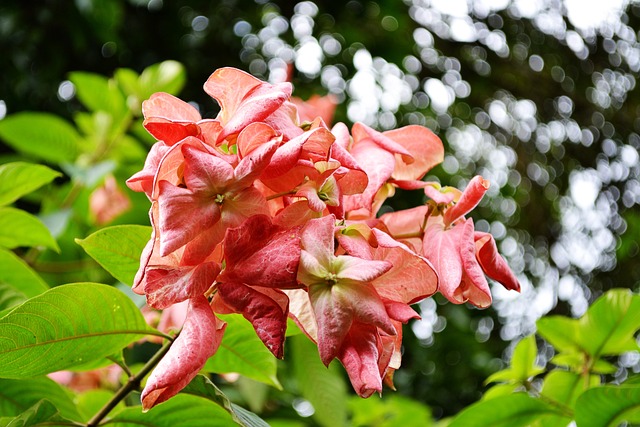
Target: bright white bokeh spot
[584,187]
[457,8]
[589,14]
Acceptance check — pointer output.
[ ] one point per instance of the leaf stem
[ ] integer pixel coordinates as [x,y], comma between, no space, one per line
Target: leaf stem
[132,384]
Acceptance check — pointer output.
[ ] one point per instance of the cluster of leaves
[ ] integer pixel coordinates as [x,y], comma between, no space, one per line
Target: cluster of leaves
[578,385]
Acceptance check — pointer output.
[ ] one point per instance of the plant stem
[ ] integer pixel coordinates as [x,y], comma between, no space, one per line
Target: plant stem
[132,384]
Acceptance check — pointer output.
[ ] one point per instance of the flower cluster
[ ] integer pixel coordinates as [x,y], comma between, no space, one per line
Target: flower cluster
[269,212]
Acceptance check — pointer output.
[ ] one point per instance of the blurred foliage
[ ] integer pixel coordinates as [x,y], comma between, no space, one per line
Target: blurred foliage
[544,108]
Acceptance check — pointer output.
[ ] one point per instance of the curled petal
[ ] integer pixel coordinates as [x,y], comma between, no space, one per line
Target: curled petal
[166,106]
[492,263]
[425,148]
[360,356]
[200,338]
[165,286]
[469,199]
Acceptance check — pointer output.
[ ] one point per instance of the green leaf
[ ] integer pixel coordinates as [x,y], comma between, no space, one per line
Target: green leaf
[389,411]
[17,273]
[182,410]
[16,396]
[117,249]
[564,387]
[522,366]
[610,323]
[577,362]
[42,413]
[323,387]
[65,326]
[19,178]
[241,351]
[608,406]
[166,76]
[98,93]
[516,410]
[560,331]
[44,136]
[203,387]
[19,228]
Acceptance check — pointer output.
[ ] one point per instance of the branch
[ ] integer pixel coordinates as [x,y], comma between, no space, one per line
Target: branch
[132,384]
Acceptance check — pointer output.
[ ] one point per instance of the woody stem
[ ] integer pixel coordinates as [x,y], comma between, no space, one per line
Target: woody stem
[132,384]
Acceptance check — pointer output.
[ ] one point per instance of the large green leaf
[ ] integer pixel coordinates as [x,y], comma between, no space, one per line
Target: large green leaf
[66,326]
[242,352]
[45,136]
[117,249]
[610,323]
[516,410]
[607,328]
[20,178]
[16,396]
[609,406]
[323,387]
[560,331]
[203,387]
[17,273]
[182,410]
[19,228]
[564,387]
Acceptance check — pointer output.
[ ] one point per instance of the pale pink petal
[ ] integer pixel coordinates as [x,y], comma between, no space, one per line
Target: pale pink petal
[200,338]
[492,263]
[351,269]
[438,196]
[425,148]
[412,277]
[317,239]
[253,136]
[322,106]
[469,199]
[378,164]
[361,131]
[365,303]
[143,181]
[285,120]
[169,107]
[441,248]
[301,311]
[252,165]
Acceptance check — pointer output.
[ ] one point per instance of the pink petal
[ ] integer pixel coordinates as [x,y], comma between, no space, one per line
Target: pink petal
[424,146]
[317,239]
[204,172]
[285,121]
[351,269]
[361,131]
[253,136]
[334,320]
[178,210]
[169,131]
[259,253]
[378,164]
[168,285]
[266,309]
[441,248]
[412,277]
[359,355]
[166,106]
[143,181]
[492,263]
[200,338]
[469,199]
[251,166]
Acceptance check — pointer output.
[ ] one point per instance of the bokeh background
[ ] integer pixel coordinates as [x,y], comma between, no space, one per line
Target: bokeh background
[538,96]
